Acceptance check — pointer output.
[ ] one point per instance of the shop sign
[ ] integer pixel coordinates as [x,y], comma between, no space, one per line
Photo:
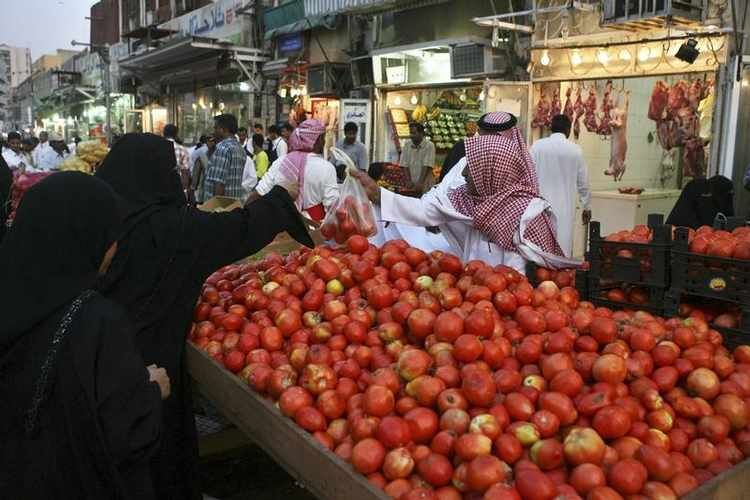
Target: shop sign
[218,20]
[290,43]
[321,7]
[359,112]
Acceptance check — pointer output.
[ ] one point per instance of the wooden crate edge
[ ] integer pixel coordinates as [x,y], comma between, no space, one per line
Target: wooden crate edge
[322,472]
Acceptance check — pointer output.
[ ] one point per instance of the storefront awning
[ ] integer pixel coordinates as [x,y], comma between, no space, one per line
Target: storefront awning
[320,7]
[194,60]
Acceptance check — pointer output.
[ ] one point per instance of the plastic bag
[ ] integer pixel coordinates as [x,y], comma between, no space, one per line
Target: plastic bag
[353,213]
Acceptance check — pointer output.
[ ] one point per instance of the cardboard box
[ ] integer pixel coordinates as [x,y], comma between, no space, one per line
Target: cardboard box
[220,204]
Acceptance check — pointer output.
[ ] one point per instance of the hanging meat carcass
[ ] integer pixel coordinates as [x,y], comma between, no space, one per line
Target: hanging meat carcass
[605,124]
[678,121]
[568,108]
[694,158]
[658,103]
[556,106]
[579,109]
[619,144]
[677,98]
[541,116]
[589,117]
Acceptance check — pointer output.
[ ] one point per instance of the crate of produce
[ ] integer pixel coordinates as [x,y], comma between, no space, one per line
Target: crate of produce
[638,257]
[620,295]
[731,320]
[711,267]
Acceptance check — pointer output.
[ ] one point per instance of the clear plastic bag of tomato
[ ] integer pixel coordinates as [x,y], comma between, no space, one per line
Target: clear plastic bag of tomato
[353,212]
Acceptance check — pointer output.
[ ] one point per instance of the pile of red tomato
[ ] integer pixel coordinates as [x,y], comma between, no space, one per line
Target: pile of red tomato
[561,277]
[442,380]
[718,243]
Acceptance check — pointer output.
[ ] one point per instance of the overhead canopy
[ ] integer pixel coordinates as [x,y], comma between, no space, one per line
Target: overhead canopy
[191,61]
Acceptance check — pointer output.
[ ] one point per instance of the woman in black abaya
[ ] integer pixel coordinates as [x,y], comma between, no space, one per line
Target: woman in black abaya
[80,416]
[166,252]
[701,200]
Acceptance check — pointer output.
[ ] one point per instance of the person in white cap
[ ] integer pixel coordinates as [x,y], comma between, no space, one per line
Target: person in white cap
[51,158]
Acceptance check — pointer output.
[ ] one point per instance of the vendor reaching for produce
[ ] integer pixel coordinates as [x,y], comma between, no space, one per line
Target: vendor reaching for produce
[166,251]
[497,215]
[81,411]
[305,167]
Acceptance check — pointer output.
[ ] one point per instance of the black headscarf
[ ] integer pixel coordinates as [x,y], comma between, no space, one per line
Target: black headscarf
[140,168]
[701,200]
[54,249]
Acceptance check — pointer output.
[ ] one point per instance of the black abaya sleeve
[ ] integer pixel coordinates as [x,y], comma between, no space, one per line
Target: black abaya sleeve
[235,235]
[127,403]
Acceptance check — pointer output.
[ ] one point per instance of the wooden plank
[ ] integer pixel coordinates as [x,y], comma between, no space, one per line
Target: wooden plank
[319,470]
[733,484]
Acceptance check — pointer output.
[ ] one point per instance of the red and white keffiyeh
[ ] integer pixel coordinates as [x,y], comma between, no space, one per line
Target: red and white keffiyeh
[503,176]
[301,143]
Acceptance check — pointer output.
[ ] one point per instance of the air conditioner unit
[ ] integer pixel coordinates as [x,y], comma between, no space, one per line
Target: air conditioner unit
[476,60]
[651,13]
[362,75]
[329,79]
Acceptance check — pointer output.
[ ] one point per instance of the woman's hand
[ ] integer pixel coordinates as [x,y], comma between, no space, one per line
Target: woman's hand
[371,187]
[159,375]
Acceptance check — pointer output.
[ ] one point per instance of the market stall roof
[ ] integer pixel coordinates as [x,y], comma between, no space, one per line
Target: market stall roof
[193,59]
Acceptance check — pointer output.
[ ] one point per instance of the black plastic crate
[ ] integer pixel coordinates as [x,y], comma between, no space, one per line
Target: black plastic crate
[597,295]
[532,267]
[645,264]
[706,276]
[732,336]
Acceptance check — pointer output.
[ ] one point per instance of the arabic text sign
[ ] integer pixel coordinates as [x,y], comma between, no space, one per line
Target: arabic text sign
[217,20]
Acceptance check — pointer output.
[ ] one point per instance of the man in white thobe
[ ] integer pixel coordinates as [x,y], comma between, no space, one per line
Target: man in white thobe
[41,148]
[50,159]
[562,173]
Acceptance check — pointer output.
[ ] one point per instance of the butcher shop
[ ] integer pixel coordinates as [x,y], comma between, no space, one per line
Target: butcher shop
[642,113]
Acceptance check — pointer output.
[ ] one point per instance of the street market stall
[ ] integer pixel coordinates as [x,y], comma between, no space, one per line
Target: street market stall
[397,388]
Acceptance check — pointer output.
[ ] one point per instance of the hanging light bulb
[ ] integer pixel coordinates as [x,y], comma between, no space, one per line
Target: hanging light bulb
[602,56]
[545,60]
[624,55]
[576,58]
[282,92]
[414,100]
[481,95]
[462,97]
[397,101]
[644,53]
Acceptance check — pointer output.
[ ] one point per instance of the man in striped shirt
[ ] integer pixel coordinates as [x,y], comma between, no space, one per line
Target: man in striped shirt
[224,173]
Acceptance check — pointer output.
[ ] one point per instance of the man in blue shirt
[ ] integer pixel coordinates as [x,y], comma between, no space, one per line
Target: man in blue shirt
[224,173]
[352,147]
